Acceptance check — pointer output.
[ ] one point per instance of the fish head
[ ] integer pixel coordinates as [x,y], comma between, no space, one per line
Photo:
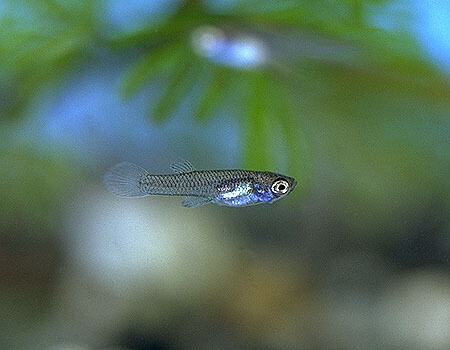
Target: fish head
[272,186]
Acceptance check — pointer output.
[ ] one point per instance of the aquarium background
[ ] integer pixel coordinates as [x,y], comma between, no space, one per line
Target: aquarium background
[351,97]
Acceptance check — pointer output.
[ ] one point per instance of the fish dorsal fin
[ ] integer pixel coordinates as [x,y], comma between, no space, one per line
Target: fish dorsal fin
[182,166]
[190,202]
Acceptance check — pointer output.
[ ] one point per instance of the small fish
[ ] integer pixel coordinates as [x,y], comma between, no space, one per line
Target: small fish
[234,188]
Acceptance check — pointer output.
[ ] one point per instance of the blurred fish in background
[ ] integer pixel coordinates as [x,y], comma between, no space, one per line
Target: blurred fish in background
[350,98]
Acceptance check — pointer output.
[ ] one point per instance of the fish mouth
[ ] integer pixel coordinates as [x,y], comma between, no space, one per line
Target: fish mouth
[294,183]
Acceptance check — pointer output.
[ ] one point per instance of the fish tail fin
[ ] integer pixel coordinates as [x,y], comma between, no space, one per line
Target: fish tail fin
[124,180]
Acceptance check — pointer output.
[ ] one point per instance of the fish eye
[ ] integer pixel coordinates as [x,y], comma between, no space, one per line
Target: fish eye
[280,187]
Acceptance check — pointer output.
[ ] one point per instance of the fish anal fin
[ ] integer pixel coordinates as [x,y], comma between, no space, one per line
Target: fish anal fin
[193,201]
[182,166]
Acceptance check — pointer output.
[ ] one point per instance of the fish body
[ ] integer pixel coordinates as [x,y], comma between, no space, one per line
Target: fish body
[234,187]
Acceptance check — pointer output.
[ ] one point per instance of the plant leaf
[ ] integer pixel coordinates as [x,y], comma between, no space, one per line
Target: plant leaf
[288,114]
[147,67]
[213,94]
[181,81]
[256,144]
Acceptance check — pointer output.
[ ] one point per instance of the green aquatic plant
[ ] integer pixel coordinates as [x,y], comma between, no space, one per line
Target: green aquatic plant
[40,43]
[325,64]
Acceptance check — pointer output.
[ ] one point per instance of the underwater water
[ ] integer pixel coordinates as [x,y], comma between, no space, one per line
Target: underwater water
[350,99]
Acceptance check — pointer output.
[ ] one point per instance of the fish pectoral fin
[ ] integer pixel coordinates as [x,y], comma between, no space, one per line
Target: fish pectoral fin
[192,201]
[182,166]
